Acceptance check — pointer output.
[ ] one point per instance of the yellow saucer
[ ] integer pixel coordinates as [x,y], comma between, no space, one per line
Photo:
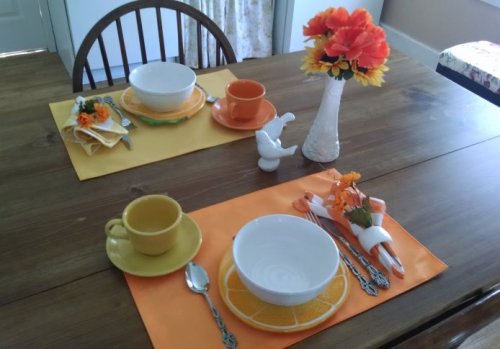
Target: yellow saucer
[190,107]
[123,255]
[277,318]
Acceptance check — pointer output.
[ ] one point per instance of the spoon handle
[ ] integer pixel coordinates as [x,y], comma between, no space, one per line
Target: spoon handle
[228,338]
[363,283]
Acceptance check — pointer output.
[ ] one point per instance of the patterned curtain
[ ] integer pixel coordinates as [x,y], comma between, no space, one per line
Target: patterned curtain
[247,24]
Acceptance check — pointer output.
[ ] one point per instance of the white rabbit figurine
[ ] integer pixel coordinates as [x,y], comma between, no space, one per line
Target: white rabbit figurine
[269,144]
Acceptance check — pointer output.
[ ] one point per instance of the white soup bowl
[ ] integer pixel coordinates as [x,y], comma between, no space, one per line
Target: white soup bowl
[284,259]
[162,86]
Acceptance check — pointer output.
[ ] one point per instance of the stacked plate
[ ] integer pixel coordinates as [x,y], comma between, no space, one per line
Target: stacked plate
[188,108]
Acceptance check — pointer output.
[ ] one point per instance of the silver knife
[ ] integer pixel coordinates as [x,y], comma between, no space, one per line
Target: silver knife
[128,143]
[377,277]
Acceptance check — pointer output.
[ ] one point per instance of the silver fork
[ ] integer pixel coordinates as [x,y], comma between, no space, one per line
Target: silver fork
[377,277]
[210,99]
[365,285]
[124,121]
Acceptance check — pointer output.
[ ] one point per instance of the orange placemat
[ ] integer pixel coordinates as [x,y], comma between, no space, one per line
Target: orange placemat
[177,318]
[153,143]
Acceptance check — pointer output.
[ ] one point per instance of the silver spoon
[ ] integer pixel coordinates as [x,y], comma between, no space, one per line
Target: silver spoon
[197,280]
[210,99]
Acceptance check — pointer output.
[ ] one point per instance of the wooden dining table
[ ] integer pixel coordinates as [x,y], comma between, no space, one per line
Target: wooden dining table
[427,146]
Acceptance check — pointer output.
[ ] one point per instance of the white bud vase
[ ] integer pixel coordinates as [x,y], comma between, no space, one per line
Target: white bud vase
[322,141]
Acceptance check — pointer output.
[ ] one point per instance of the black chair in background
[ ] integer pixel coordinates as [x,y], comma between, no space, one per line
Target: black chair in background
[224,52]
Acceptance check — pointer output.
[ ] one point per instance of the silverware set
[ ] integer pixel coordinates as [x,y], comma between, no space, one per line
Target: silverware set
[377,278]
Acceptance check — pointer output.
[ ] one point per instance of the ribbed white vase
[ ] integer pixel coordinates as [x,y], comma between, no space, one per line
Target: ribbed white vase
[322,141]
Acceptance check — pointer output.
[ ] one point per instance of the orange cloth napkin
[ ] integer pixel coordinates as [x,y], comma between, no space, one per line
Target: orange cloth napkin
[175,317]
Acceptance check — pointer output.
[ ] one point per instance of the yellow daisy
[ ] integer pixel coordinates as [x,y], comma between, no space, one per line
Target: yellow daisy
[314,60]
[374,76]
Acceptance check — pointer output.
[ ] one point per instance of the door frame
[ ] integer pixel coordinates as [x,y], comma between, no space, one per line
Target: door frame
[48,31]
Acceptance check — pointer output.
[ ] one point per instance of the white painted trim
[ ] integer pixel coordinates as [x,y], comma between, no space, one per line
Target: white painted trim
[495,3]
[48,32]
[419,51]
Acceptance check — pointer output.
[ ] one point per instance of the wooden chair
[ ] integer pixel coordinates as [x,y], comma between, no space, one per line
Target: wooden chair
[95,34]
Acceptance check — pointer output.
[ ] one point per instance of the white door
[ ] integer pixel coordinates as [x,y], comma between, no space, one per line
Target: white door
[21,26]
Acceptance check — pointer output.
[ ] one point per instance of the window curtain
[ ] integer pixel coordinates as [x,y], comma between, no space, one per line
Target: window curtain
[247,24]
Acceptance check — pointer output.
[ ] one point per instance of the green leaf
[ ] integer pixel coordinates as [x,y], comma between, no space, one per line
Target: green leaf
[88,106]
[347,74]
[360,216]
[157,122]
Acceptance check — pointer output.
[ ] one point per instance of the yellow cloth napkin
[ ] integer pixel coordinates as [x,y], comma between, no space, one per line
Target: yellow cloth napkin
[93,137]
[153,143]
[171,312]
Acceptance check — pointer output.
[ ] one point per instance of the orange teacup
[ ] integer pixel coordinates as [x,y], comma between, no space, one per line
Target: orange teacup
[244,99]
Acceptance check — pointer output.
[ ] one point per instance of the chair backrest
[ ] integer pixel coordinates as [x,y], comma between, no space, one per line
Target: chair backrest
[95,34]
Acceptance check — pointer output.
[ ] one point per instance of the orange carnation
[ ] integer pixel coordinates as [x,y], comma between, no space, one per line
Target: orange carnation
[337,19]
[349,178]
[316,25]
[85,120]
[368,47]
[101,112]
[360,18]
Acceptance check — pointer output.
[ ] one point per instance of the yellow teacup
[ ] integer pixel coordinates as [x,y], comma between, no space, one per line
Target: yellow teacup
[150,222]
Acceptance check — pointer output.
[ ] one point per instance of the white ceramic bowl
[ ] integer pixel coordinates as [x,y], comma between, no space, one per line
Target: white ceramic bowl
[162,86]
[285,260]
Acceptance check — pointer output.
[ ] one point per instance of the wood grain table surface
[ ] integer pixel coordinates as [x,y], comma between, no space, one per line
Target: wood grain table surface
[427,146]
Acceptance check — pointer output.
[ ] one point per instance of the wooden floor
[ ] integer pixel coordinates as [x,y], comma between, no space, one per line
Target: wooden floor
[22,90]
[37,69]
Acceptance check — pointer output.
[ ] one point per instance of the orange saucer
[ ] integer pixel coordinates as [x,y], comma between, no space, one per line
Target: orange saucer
[219,114]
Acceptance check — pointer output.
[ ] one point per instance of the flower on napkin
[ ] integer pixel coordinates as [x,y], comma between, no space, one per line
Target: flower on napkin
[90,112]
[346,45]
[91,126]
[351,203]
[345,203]
[360,214]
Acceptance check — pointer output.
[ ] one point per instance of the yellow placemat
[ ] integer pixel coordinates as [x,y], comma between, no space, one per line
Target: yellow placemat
[153,143]
[171,312]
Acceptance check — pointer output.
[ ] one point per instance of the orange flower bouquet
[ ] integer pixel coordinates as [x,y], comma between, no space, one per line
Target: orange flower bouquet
[346,46]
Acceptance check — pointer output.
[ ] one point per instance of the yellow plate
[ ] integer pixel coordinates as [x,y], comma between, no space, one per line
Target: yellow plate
[123,255]
[276,318]
[190,107]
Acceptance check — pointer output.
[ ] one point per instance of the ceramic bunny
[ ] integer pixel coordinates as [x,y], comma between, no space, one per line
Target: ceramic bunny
[269,144]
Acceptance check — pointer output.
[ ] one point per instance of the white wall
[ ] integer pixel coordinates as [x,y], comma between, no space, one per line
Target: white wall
[424,28]
[292,15]
[306,9]
[73,19]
